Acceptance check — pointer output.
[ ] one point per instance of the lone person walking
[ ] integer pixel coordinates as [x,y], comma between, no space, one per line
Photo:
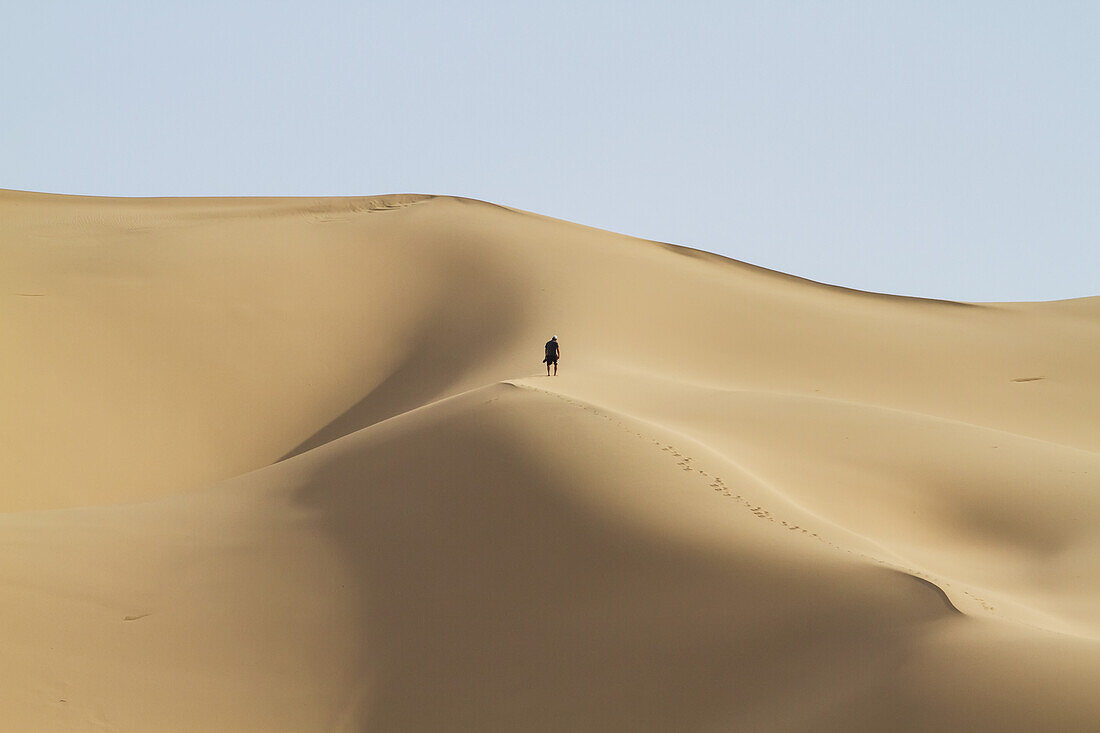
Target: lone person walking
[552,354]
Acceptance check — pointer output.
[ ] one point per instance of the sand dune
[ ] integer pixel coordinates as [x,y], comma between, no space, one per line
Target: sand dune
[293,465]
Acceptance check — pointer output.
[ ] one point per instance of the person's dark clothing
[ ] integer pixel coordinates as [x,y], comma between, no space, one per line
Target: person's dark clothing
[551,352]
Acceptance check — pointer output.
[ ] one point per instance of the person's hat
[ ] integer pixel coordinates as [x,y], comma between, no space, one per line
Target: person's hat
[554,337]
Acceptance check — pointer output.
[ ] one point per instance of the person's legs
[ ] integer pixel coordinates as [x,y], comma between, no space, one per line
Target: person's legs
[555,368]
[548,369]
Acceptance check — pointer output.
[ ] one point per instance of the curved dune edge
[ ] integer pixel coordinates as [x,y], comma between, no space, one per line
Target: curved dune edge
[748,502]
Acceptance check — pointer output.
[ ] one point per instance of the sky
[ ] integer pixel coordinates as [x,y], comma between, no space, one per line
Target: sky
[938,149]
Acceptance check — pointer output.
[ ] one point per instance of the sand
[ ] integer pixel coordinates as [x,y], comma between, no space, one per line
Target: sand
[294,465]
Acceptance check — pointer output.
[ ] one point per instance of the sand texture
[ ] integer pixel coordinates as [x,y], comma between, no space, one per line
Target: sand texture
[295,465]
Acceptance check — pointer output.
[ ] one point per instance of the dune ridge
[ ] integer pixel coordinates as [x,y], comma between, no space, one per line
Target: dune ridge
[292,464]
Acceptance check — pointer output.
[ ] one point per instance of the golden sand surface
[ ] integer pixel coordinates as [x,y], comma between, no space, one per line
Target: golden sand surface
[295,465]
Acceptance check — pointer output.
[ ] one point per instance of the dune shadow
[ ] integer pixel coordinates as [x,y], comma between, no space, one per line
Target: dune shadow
[935,590]
[469,323]
[490,598]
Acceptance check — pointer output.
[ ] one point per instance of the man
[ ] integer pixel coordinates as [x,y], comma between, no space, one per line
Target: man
[552,353]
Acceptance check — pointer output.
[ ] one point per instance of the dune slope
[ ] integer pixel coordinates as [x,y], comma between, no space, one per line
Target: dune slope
[293,464]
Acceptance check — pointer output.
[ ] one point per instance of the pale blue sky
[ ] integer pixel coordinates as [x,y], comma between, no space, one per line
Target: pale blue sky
[941,149]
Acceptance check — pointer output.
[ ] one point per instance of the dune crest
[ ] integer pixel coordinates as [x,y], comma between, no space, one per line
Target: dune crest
[293,464]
